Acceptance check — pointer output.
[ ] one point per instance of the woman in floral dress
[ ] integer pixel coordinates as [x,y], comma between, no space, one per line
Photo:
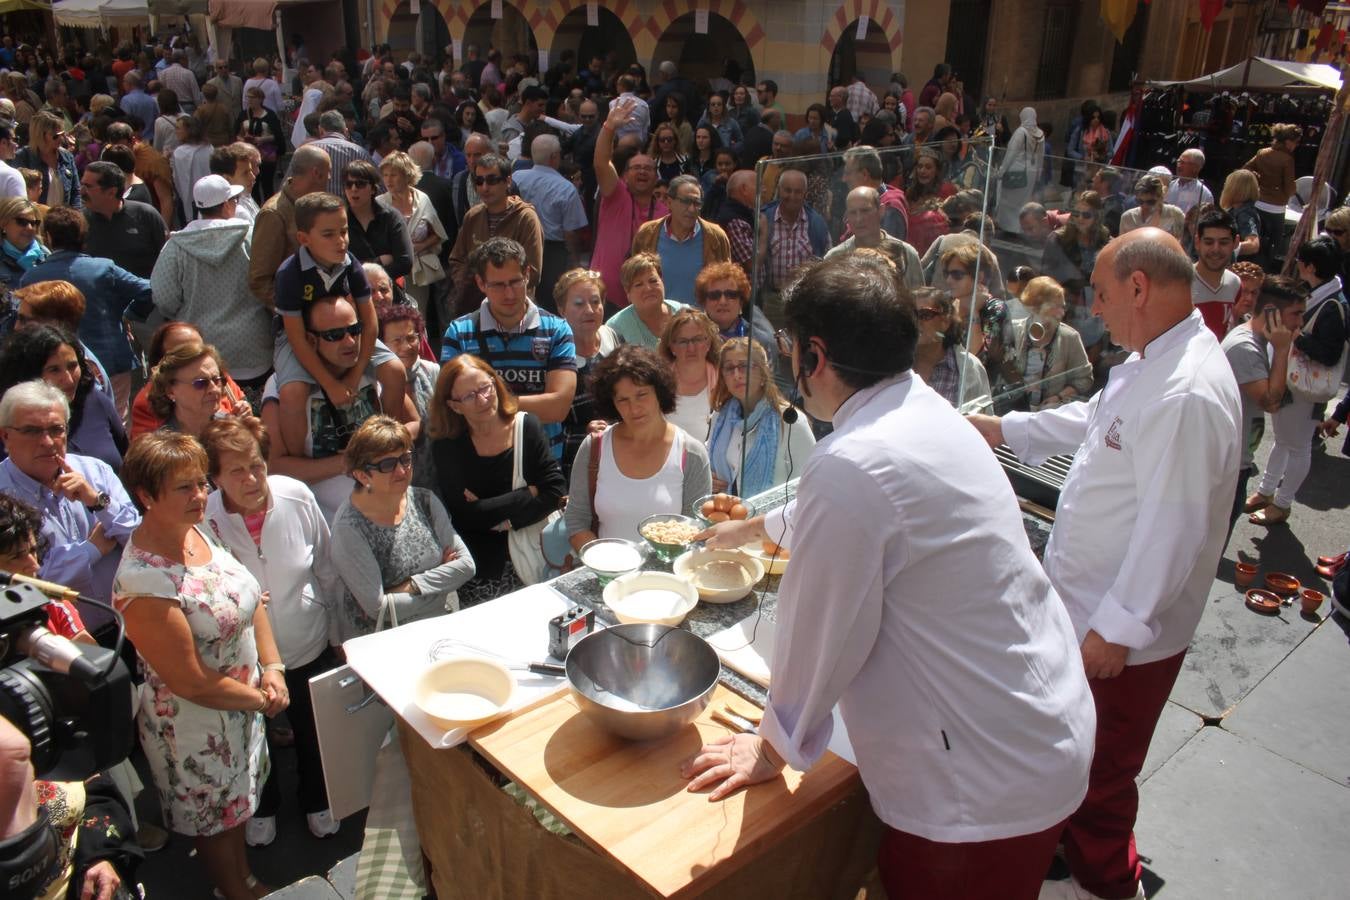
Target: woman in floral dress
[211,666]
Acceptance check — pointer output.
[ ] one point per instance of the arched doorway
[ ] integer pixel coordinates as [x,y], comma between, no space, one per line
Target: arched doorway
[402,33]
[721,54]
[869,57]
[608,39]
[511,34]
[433,34]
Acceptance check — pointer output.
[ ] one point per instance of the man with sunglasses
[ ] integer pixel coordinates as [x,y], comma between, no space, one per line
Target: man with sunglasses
[498,214]
[685,241]
[86,513]
[313,452]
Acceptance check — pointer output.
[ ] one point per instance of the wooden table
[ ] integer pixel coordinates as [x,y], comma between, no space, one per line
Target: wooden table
[636,831]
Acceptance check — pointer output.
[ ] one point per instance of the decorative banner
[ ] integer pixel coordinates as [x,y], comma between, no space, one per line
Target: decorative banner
[592,15]
[496,9]
[543,60]
[861,33]
[700,21]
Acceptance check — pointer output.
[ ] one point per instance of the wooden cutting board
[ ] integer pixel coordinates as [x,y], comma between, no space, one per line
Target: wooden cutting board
[628,801]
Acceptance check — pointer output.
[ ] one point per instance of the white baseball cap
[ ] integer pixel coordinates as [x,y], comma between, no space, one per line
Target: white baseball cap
[213,190]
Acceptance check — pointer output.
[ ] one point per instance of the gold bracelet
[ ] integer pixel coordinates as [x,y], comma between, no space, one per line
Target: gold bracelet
[265,701]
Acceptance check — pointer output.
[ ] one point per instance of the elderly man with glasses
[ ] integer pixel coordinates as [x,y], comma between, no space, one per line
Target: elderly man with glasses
[685,241]
[86,513]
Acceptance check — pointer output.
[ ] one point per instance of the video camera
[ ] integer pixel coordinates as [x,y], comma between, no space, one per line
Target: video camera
[71,700]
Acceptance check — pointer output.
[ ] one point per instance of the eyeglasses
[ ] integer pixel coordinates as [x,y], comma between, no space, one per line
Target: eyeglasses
[955,274]
[482,393]
[784,341]
[690,342]
[206,381]
[55,432]
[928,314]
[413,338]
[354,184]
[688,201]
[32,223]
[739,368]
[722,295]
[333,335]
[387,465]
[494,180]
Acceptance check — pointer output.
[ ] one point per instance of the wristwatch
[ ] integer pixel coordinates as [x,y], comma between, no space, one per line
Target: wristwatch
[101,502]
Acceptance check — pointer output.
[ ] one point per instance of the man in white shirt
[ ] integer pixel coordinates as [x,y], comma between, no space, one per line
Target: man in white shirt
[970,717]
[11,182]
[1141,523]
[1186,190]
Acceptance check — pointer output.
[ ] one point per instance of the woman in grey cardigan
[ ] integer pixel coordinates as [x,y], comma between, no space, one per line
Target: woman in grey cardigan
[643,465]
[392,544]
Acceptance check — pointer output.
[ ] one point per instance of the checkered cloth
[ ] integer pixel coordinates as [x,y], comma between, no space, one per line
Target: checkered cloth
[789,247]
[390,864]
[742,237]
[861,100]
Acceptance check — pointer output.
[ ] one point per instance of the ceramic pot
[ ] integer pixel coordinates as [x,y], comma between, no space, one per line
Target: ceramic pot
[1246,574]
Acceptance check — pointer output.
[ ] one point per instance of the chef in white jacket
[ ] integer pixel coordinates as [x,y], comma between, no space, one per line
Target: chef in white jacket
[950,657]
[1141,522]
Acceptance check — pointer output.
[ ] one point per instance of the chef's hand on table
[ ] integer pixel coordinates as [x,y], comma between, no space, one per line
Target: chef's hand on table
[989,427]
[1101,658]
[733,534]
[731,763]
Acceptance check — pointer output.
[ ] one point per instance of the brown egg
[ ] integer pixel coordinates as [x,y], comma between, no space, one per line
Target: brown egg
[738,511]
[722,502]
[708,508]
[718,516]
[770,549]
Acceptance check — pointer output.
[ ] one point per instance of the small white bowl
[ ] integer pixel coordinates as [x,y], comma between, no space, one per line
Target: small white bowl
[774,564]
[464,692]
[717,563]
[612,547]
[627,596]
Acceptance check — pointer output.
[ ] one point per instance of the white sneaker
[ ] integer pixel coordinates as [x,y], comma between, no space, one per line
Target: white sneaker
[322,824]
[1070,889]
[260,831]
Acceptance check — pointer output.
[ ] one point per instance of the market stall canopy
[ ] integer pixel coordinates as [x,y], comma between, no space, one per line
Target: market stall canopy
[1268,73]
[179,7]
[78,13]
[9,6]
[249,13]
[134,11]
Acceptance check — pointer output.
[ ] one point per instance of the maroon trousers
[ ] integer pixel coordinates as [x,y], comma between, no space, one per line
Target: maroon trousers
[1099,837]
[915,868]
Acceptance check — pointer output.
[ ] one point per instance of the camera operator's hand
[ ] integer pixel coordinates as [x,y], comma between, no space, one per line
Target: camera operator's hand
[278,696]
[101,881]
[18,800]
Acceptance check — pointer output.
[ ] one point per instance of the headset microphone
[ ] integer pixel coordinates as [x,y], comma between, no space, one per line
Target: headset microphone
[790,416]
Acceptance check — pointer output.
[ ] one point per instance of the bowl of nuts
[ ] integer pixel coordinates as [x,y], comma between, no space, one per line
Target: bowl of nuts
[669,534]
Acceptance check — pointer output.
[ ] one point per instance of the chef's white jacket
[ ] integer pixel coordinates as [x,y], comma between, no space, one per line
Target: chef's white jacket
[1143,515]
[914,602]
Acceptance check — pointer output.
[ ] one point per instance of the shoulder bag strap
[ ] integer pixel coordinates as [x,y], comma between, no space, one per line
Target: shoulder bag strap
[517,475]
[593,476]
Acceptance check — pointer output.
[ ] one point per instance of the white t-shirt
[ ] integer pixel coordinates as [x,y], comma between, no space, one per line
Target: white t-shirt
[11,182]
[621,503]
[692,413]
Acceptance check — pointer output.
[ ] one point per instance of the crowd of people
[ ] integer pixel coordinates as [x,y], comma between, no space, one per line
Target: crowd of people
[294,360]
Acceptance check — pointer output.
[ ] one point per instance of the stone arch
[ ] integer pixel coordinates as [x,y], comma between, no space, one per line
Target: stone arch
[474,23]
[734,11]
[877,11]
[559,25]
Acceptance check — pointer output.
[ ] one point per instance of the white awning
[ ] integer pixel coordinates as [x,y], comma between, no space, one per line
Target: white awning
[77,13]
[1269,73]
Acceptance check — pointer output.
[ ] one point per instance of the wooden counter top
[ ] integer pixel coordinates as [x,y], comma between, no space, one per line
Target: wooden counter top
[628,801]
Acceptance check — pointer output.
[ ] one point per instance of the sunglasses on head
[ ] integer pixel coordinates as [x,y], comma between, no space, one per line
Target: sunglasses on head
[333,335]
[494,180]
[387,466]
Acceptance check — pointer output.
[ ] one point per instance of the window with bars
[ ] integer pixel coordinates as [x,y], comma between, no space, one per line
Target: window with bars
[1052,71]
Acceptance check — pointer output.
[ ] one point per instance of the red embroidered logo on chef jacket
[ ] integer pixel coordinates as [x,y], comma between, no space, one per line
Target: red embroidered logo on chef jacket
[1113,434]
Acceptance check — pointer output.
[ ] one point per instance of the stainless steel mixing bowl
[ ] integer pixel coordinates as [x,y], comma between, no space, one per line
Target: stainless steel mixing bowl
[642,681]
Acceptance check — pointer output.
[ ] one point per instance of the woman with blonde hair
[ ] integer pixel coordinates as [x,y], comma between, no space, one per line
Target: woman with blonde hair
[753,445]
[690,343]
[394,549]
[21,248]
[665,149]
[1241,190]
[56,164]
[480,439]
[580,296]
[425,228]
[1049,355]
[648,312]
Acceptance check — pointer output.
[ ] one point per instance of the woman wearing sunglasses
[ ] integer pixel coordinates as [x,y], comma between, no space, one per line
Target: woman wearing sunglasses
[187,387]
[1069,258]
[376,233]
[479,446]
[394,549]
[21,249]
[940,358]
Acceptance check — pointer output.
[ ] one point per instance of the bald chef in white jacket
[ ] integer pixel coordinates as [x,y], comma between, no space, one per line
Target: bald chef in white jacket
[1141,522]
[914,603]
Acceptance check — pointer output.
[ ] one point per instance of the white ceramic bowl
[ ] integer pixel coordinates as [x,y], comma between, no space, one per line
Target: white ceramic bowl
[654,598]
[714,573]
[774,565]
[602,556]
[464,692]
